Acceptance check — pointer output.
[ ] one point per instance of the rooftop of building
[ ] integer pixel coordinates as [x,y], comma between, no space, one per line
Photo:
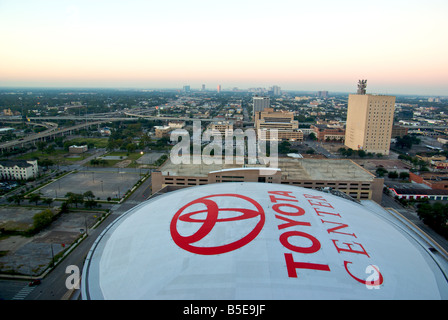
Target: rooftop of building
[323,169]
[294,169]
[18,163]
[419,191]
[433,176]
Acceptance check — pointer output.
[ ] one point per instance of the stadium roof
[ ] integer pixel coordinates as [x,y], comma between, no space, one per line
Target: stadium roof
[253,241]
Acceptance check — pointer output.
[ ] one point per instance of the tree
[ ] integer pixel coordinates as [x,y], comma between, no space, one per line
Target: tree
[34,197]
[131,147]
[349,152]
[64,207]
[41,146]
[16,198]
[284,147]
[50,149]
[90,203]
[89,195]
[404,175]
[42,219]
[381,172]
[48,201]
[45,163]
[361,153]
[75,198]
[393,175]
[406,141]
[435,216]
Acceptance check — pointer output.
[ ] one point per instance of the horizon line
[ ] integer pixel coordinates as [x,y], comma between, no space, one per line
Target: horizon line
[19,87]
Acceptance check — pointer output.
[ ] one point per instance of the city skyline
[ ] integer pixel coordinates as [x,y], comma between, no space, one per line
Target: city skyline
[397,45]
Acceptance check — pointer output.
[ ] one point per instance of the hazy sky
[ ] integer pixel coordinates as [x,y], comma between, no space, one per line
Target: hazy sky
[399,46]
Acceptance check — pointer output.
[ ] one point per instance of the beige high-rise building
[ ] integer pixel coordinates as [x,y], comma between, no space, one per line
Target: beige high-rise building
[369,122]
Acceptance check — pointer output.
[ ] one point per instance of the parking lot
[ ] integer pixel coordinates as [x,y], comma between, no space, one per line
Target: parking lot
[104,183]
[32,255]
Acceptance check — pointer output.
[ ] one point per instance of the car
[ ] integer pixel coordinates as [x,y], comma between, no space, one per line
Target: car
[35,282]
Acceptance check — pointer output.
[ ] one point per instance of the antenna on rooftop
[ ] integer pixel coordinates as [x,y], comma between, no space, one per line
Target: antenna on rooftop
[362,84]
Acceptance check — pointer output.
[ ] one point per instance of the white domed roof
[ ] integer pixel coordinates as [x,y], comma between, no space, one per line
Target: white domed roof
[258,241]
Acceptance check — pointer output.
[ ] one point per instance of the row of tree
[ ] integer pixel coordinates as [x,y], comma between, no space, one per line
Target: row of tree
[87,198]
[435,216]
[349,152]
[392,174]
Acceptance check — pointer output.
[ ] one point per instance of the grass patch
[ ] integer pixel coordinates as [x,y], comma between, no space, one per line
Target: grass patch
[132,157]
[97,142]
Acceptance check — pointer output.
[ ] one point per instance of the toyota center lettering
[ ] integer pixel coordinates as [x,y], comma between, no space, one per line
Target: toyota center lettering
[324,210]
[294,224]
[208,216]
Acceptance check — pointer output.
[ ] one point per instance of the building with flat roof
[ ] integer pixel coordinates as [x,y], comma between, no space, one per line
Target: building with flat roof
[434,180]
[222,127]
[343,175]
[325,132]
[369,122]
[162,131]
[416,193]
[77,149]
[287,128]
[18,169]
[260,103]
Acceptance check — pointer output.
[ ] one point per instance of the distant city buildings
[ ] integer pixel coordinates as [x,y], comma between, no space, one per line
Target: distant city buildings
[369,121]
[260,103]
[276,91]
[322,94]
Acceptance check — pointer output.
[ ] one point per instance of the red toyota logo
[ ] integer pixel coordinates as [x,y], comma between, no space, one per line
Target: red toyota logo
[207,214]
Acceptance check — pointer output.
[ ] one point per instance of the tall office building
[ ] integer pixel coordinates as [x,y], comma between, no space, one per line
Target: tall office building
[218,88]
[369,121]
[276,91]
[322,94]
[260,103]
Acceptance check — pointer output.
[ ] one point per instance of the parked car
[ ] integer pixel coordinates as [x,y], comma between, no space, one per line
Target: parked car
[35,282]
